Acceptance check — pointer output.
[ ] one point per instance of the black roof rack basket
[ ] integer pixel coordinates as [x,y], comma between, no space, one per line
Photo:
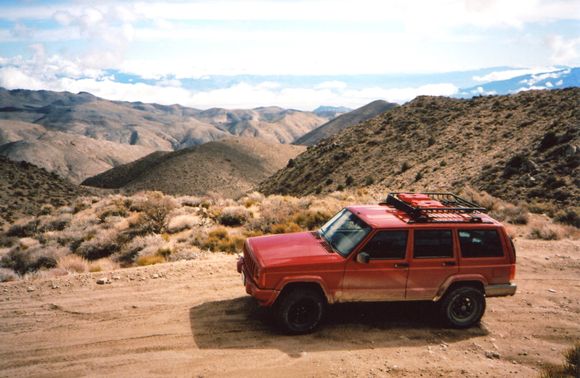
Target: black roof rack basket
[452,204]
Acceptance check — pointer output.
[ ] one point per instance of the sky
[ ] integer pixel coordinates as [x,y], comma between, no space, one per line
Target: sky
[290,53]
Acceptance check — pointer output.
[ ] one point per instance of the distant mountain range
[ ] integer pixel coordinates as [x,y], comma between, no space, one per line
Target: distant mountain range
[558,79]
[80,135]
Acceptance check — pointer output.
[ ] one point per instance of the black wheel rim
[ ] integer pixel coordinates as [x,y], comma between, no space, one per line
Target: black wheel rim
[463,308]
[302,313]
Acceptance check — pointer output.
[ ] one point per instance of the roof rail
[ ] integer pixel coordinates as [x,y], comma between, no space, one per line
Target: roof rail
[434,206]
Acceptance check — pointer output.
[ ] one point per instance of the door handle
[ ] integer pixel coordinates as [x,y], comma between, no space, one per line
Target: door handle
[402,265]
[448,263]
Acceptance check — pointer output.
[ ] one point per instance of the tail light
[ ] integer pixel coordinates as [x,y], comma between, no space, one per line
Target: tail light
[512,272]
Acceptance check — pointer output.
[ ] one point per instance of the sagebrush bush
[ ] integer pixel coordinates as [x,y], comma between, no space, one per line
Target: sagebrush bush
[545,232]
[182,222]
[219,240]
[569,216]
[511,214]
[28,260]
[23,228]
[73,263]
[234,216]
[570,368]
[7,275]
[154,208]
[103,244]
[140,245]
[311,220]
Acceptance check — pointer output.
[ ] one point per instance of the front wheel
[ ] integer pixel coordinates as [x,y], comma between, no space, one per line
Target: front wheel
[300,311]
[463,307]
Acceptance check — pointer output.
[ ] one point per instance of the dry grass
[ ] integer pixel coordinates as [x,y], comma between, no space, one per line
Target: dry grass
[73,263]
[569,369]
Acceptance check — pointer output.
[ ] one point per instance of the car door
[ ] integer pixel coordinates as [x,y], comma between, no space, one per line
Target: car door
[384,277]
[433,259]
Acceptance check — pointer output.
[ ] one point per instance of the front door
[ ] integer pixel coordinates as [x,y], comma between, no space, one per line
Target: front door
[384,277]
[433,260]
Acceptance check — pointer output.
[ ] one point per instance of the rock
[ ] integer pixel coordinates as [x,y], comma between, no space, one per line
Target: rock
[552,291]
[492,354]
[116,277]
[102,281]
[155,275]
[30,289]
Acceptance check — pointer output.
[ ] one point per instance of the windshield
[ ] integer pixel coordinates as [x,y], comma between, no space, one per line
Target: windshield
[344,231]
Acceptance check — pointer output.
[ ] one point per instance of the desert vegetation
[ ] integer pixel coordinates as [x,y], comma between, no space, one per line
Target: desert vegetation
[99,234]
[104,233]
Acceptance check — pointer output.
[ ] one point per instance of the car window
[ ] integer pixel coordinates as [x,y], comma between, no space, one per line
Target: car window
[480,243]
[387,245]
[433,244]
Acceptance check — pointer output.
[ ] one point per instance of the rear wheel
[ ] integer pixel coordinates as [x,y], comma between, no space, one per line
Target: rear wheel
[463,307]
[300,311]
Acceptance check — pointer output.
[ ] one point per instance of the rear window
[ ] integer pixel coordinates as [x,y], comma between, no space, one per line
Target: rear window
[480,243]
[433,244]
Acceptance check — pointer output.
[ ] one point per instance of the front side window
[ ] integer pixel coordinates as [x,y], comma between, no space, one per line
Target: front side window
[344,231]
[480,243]
[387,245]
[433,244]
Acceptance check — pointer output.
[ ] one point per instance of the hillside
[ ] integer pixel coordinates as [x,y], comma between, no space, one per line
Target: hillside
[71,156]
[340,123]
[25,188]
[80,135]
[228,167]
[518,147]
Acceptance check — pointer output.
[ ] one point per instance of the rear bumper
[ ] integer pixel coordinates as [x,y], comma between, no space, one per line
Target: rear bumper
[265,297]
[500,290]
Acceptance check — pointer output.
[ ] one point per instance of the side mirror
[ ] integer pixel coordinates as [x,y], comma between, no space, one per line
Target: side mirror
[363,258]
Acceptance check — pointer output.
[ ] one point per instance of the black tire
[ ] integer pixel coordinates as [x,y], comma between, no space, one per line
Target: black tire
[300,311]
[462,307]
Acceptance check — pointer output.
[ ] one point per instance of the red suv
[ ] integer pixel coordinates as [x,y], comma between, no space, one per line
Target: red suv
[412,247]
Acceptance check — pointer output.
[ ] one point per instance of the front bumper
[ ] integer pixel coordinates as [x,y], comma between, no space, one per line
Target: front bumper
[265,297]
[502,290]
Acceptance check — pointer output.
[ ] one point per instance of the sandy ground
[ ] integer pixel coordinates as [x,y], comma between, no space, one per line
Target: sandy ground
[194,319]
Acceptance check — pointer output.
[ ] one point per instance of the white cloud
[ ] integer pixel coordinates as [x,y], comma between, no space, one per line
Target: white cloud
[564,51]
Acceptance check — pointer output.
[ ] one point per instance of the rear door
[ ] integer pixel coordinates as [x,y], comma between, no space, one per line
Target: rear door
[433,259]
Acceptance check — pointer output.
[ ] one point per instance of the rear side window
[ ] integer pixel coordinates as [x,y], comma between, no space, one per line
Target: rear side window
[387,245]
[480,243]
[433,244]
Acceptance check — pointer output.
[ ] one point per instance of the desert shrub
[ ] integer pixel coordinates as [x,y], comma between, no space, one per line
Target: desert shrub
[154,207]
[349,180]
[418,176]
[569,216]
[140,245]
[369,180]
[405,166]
[23,228]
[182,222]
[28,260]
[511,214]
[283,228]
[545,232]
[150,260]
[220,240]
[190,201]
[7,275]
[73,263]
[234,216]
[103,265]
[103,244]
[311,219]
[56,223]
[339,187]
[570,368]
[46,209]
[184,253]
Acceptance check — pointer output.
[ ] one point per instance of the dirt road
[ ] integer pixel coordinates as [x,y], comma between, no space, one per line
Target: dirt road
[194,319]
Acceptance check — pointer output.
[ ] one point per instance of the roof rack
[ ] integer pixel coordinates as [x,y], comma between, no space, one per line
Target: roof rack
[435,207]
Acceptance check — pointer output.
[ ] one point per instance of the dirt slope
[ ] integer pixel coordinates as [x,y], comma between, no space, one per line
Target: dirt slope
[25,188]
[230,167]
[340,123]
[196,320]
[519,147]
